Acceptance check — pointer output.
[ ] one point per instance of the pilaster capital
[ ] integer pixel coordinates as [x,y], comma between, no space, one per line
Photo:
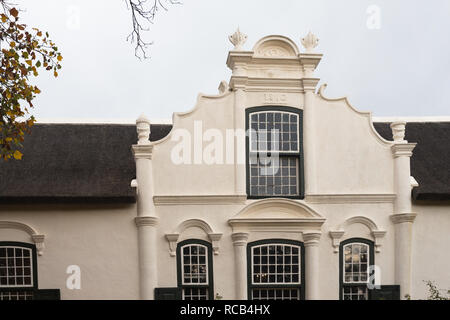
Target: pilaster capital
[403,217]
[310,84]
[403,149]
[311,238]
[142,151]
[146,221]
[239,238]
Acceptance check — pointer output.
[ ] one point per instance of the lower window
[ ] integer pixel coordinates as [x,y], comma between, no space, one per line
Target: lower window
[276,270]
[194,264]
[356,256]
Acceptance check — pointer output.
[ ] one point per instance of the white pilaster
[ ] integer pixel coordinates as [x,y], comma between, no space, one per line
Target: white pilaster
[403,216]
[309,86]
[146,219]
[240,257]
[311,242]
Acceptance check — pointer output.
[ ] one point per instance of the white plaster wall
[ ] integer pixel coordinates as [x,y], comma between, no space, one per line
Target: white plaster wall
[350,158]
[431,247]
[101,239]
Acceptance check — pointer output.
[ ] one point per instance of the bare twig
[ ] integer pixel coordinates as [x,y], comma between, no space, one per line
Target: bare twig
[143,14]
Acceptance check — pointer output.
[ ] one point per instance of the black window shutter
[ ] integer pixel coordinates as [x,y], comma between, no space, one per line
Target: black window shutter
[167,294]
[47,294]
[388,292]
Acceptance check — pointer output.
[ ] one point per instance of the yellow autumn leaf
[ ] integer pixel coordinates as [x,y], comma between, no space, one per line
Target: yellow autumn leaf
[59,58]
[4,18]
[17,155]
[55,74]
[8,139]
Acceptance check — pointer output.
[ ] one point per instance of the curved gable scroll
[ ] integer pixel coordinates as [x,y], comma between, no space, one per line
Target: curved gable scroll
[365,114]
[375,231]
[277,214]
[172,238]
[38,239]
[275,46]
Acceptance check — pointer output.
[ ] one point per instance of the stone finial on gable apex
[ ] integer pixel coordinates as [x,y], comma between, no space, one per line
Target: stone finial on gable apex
[310,42]
[238,39]
[143,129]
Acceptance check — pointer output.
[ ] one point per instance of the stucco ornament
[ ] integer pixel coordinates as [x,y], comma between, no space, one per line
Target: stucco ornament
[238,39]
[310,42]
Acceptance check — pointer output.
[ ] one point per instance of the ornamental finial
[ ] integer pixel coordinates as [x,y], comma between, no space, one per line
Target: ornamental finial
[238,39]
[310,42]
[143,130]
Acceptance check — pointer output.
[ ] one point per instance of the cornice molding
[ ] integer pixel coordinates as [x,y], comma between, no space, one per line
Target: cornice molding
[375,231]
[37,238]
[276,225]
[162,200]
[142,151]
[146,221]
[350,198]
[403,217]
[403,149]
[173,237]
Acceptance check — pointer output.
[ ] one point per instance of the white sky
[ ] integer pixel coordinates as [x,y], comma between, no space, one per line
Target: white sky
[401,69]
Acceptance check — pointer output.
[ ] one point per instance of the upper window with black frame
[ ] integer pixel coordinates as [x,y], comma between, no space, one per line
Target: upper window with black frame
[17,271]
[356,257]
[195,270]
[276,270]
[274,149]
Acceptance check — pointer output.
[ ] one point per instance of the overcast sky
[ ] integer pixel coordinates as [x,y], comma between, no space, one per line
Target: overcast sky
[400,69]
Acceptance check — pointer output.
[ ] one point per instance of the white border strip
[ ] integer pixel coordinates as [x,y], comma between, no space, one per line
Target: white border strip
[412,119]
[99,121]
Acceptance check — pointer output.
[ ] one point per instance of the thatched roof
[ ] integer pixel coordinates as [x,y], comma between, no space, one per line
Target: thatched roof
[430,163]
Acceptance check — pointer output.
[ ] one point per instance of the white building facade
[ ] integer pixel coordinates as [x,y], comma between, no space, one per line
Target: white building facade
[268,190]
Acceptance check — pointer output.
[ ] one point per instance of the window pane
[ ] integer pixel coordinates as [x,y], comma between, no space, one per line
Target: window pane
[15,262]
[356,263]
[278,131]
[278,178]
[195,267]
[276,264]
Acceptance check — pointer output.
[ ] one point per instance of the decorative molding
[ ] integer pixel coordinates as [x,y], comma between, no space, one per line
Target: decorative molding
[366,114]
[403,149]
[37,238]
[375,231]
[172,238]
[350,198]
[311,238]
[238,39]
[275,46]
[403,217]
[142,151]
[277,215]
[198,199]
[146,221]
[240,238]
[223,87]
[336,237]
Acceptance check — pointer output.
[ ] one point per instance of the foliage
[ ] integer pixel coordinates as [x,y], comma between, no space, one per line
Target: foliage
[23,53]
[434,292]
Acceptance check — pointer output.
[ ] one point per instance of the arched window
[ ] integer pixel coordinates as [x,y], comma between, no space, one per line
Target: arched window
[356,255]
[195,270]
[274,152]
[18,271]
[275,270]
